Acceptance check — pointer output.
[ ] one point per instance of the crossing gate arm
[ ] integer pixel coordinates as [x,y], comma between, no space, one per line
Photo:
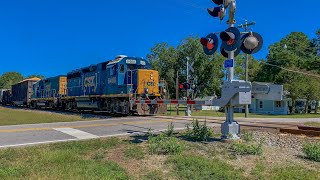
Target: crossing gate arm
[230,95]
[183,102]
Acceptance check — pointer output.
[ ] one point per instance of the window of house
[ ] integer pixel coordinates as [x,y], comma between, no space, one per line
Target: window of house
[278,104]
[260,104]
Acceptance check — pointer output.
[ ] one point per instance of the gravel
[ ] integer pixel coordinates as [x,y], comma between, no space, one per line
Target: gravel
[288,141]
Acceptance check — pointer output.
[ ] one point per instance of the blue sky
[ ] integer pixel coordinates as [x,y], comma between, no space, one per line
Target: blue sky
[52,37]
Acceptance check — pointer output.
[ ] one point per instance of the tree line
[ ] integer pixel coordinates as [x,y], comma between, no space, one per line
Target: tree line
[9,78]
[294,62]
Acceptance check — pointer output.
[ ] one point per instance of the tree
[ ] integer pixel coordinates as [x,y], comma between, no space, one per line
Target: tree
[10,78]
[164,59]
[298,53]
[169,60]
[253,67]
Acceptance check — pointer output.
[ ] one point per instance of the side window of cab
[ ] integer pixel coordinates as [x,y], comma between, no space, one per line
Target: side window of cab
[121,68]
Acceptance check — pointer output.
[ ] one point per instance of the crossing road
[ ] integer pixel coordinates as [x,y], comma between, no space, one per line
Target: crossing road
[33,134]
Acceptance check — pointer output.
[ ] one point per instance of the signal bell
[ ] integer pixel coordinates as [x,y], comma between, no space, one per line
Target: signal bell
[251,43]
[231,39]
[210,44]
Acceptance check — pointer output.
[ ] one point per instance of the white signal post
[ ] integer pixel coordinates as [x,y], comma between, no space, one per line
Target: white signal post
[230,128]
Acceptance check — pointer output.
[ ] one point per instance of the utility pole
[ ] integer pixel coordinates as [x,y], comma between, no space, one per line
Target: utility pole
[177,92]
[188,111]
[245,27]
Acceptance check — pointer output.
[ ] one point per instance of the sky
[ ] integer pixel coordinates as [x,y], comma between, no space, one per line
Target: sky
[53,37]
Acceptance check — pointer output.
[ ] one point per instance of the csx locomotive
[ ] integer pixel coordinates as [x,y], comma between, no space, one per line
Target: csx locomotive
[108,86]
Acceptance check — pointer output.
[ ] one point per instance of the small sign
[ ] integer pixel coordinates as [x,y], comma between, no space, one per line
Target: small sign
[191,67]
[228,63]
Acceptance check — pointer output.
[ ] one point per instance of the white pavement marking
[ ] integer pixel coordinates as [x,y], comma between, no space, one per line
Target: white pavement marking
[76,133]
[68,140]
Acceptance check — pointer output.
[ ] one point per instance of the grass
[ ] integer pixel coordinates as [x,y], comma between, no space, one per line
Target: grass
[134,152]
[163,144]
[72,160]
[293,172]
[314,124]
[312,151]
[114,158]
[242,148]
[287,172]
[198,167]
[18,116]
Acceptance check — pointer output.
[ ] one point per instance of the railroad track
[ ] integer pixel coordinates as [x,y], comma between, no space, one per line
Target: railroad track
[290,128]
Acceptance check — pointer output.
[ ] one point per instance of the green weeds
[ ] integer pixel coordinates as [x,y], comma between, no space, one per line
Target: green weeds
[312,151]
[198,132]
[241,148]
[198,167]
[163,144]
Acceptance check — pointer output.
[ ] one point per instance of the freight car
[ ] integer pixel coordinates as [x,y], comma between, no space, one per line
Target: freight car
[1,94]
[108,86]
[22,92]
[6,97]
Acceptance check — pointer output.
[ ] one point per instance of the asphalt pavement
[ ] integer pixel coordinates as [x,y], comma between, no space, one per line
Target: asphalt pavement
[33,134]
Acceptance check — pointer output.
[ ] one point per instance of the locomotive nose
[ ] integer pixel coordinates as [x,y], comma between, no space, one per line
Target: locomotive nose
[148,82]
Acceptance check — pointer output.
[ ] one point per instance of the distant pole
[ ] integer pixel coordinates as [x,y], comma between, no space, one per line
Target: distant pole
[177,92]
[245,27]
[188,112]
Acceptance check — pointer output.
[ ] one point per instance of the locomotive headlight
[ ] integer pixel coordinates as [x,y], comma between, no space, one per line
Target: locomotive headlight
[146,90]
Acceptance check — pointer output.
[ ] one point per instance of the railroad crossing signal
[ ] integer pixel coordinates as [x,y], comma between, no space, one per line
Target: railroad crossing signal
[232,44]
[184,86]
[251,43]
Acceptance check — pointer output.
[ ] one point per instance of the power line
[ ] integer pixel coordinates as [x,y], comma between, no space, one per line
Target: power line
[300,72]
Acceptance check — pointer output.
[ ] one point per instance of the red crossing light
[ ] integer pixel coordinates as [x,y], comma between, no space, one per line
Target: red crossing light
[210,44]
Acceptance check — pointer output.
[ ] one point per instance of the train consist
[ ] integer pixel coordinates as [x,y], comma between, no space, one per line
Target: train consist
[108,86]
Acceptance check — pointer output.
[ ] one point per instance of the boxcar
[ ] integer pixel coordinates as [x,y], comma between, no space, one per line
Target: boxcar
[22,92]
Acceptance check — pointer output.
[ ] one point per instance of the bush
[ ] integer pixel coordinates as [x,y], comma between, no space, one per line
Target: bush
[163,144]
[312,151]
[170,130]
[199,132]
[247,136]
[247,149]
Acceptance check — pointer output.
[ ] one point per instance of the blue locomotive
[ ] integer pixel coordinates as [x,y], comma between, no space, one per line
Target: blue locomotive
[108,86]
